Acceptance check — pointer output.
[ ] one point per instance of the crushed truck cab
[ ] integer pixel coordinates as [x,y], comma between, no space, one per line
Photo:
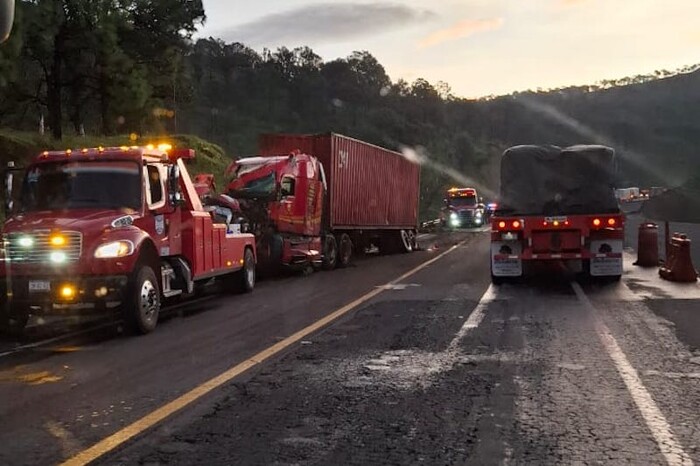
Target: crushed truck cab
[103,229]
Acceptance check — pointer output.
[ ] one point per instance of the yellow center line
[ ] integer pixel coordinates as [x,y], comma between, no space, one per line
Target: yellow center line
[117,439]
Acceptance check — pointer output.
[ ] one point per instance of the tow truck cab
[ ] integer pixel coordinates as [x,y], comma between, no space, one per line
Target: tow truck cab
[462,209]
[103,229]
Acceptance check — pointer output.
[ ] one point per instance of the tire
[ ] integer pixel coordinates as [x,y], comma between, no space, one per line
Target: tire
[608,279]
[330,253]
[497,280]
[270,254]
[143,303]
[344,250]
[13,323]
[245,278]
[413,236]
[405,242]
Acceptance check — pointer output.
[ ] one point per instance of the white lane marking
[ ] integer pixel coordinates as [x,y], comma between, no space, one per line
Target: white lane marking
[399,286]
[654,418]
[674,375]
[475,317]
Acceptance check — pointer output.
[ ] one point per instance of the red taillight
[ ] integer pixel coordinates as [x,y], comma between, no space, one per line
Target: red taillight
[612,222]
[516,224]
[597,222]
[501,224]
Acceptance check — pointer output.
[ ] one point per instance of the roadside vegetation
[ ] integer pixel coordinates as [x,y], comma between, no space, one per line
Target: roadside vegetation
[120,72]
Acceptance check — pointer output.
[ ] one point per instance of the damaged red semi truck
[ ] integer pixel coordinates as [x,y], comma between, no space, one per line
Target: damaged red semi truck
[317,199]
[557,205]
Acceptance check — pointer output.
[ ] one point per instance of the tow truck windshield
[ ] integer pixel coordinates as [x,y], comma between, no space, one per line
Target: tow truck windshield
[82,185]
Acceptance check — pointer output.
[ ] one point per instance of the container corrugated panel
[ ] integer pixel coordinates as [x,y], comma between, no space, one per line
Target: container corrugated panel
[370,187]
[283,144]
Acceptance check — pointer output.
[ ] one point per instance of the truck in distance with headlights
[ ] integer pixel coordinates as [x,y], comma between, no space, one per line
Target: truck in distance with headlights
[462,209]
[108,230]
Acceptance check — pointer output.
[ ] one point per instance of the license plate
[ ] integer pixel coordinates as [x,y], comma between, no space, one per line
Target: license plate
[606,266]
[555,219]
[507,267]
[38,286]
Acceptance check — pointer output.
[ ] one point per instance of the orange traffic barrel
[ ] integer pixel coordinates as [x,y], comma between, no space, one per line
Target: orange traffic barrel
[680,268]
[648,245]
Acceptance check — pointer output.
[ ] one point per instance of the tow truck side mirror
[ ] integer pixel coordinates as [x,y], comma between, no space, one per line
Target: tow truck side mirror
[9,180]
[7,17]
[174,186]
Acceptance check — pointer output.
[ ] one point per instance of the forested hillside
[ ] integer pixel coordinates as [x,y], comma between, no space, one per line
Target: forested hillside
[109,67]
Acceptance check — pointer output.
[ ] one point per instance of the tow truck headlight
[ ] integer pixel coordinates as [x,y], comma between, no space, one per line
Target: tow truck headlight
[58,257]
[454,216]
[115,249]
[26,241]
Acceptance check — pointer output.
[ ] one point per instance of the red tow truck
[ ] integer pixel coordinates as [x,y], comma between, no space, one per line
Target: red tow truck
[112,229]
[557,205]
[317,199]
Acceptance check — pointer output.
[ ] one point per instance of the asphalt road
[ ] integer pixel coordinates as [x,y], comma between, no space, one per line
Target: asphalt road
[437,368]
[66,386]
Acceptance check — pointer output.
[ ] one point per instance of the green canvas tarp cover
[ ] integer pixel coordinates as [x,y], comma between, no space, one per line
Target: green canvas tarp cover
[550,180]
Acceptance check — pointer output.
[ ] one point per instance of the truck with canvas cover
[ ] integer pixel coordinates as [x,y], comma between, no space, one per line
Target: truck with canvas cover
[100,230]
[557,205]
[317,199]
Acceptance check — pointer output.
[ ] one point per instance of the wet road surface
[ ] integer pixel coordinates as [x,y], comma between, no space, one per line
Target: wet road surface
[437,368]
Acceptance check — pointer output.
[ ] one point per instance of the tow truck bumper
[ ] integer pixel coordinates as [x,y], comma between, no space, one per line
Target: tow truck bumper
[50,294]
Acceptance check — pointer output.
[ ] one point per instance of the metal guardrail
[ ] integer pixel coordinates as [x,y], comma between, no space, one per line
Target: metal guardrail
[430,225]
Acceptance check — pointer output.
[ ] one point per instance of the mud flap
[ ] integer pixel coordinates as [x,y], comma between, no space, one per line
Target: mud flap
[505,259]
[606,258]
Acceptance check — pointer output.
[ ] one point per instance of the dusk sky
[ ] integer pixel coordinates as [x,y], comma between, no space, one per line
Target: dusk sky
[479,47]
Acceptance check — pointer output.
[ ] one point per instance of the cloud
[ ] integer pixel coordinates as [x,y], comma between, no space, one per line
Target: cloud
[326,23]
[570,2]
[460,30]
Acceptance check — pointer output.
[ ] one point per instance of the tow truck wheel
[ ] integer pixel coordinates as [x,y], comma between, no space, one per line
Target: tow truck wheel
[142,308]
[245,278]
[344,250]
[330,252]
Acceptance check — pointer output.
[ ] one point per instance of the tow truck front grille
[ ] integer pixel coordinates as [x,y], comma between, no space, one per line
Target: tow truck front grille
[35,247]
